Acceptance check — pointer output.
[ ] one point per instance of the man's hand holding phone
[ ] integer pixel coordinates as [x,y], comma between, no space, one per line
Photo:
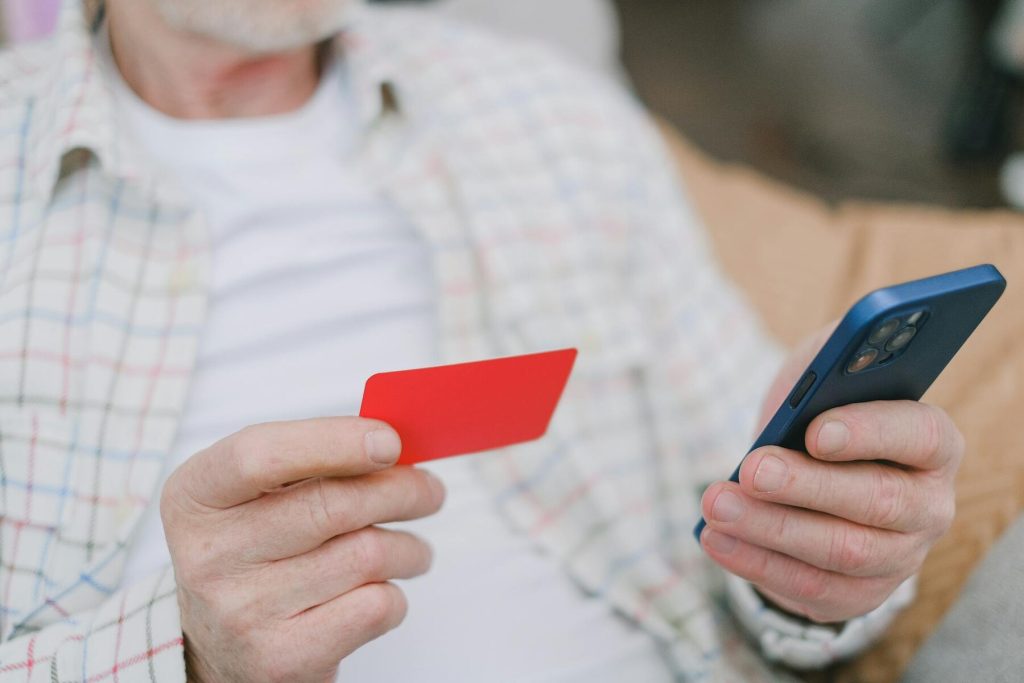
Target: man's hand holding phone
[280,570]
[830,535]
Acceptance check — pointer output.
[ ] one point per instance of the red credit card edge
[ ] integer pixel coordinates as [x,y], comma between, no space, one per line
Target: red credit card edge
[572,353]
[568,351]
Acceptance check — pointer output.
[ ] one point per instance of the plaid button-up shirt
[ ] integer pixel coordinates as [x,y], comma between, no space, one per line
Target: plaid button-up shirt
[553,218]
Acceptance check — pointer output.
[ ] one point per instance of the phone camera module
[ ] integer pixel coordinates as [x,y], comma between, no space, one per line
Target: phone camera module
[883,331]
[915,318]
[862,360]
[901,339]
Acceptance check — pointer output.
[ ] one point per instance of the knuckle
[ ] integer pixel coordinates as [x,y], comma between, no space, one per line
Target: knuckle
[809,587]
[240,621]
[322,514]
[931,432]
[384,607]
[177,501]
[851,550]
[819,616]
[944,514]
[959,441]
[201,560]
[169,505]
[886,504]
[913,560]
[858,598]
[186,582]
[187,573]
[827,614]
[235,621]
[852,598]
[227,608]
[278,670]
[242,448]
[955,441]
[820,613]
[256,458]
[195,571]
[370,552]
[193,568]
[959,449]
[246,441]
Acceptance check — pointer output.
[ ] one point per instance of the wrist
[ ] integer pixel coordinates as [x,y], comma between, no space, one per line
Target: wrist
[795,617]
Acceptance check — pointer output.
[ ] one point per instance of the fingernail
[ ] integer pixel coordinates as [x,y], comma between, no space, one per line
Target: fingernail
[719,542]
[833,437]
[771,474]
[383,446]
[727,508]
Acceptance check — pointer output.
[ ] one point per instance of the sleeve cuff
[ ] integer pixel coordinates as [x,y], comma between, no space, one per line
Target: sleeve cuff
[800,645]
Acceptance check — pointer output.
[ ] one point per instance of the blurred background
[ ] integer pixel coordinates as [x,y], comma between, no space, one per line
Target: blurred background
[884,99]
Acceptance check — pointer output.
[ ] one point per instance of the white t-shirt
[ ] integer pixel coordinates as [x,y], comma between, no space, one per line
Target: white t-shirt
[318,282]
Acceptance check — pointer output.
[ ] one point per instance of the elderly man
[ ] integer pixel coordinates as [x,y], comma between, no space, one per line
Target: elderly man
[221,216]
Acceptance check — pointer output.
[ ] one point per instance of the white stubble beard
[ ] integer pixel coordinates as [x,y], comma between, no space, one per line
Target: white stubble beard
[259,26]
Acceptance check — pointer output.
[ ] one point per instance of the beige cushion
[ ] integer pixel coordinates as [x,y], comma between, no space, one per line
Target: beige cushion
[802,263]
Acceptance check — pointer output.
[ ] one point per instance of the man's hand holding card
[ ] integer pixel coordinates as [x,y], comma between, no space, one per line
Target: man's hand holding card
[280,563]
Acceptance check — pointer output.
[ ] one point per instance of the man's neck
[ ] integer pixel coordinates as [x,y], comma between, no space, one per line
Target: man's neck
[191,77]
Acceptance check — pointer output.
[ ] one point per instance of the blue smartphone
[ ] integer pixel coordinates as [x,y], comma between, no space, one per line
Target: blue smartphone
[890,346]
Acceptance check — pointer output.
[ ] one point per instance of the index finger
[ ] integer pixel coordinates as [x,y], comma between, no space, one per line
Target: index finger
[906,432]
[264,457]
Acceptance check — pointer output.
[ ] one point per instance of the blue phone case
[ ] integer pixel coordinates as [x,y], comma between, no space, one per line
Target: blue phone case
[951,305]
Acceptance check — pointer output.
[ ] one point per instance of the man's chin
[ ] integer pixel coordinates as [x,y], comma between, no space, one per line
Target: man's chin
[256,44]
[259,26]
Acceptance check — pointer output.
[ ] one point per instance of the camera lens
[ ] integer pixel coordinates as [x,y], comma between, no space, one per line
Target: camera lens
[883,331]
[901,339]
[862,360]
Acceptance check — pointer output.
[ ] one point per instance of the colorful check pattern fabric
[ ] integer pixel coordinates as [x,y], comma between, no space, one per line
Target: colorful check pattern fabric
[98,324]
[554,220]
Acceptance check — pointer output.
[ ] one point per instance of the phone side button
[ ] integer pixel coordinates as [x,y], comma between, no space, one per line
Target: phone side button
[800,390]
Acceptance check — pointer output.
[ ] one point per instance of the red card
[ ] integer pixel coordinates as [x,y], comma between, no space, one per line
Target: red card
[469,407]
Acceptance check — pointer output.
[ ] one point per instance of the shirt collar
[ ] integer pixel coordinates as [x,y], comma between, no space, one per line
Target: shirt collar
[70,102]
[372,67]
